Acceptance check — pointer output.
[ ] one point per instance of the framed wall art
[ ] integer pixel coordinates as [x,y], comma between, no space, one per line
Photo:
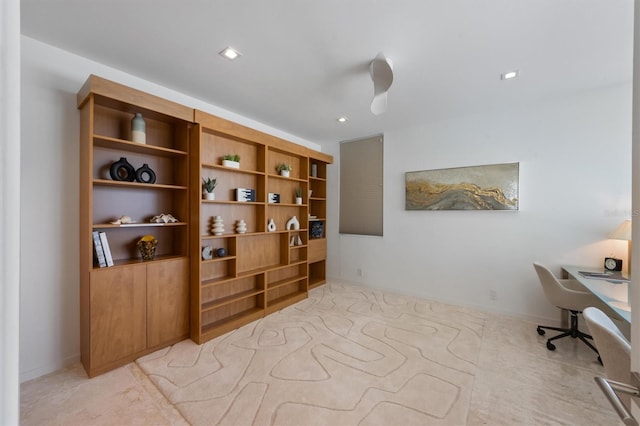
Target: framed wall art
[488,187]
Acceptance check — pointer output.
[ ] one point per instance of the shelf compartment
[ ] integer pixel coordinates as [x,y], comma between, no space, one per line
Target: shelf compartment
[134,185]
[287,275]
[317,273]
[298,163]
[112,120]
[220,324]
[172,242]
[232,311]
[281,215]
[215,145]
[141,205]
[129,146]
[170,171]
[230,291]
[228,180]
[286,299]
[252,214]
[222,269]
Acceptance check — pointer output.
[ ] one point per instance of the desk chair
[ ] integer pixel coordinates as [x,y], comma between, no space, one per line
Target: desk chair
[615,349]
[569,295]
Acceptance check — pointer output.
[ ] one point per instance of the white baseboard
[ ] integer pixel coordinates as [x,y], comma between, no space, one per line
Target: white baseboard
[34,373]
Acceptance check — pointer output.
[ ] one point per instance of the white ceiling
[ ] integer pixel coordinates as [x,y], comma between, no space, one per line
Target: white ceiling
[304,63]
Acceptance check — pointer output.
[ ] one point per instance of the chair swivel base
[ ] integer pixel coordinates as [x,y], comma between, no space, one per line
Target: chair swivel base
[572,332]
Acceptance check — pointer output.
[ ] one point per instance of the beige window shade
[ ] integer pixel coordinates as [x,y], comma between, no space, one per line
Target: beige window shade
[361,186]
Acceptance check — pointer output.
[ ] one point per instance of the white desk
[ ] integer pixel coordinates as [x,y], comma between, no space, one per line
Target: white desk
[614,294]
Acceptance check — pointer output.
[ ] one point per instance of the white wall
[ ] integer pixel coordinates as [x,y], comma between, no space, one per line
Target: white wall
[575,187]
[9,210]
[49,314]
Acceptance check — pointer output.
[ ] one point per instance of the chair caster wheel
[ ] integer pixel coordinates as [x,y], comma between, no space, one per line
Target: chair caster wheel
[540,331]
[551,346]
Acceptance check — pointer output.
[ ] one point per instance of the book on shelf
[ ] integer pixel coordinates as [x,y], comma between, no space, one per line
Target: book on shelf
[99,252]
[105,247]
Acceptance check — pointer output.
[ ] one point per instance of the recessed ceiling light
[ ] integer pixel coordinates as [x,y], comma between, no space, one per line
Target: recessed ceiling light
[230,53]
[342,119]
[510,74]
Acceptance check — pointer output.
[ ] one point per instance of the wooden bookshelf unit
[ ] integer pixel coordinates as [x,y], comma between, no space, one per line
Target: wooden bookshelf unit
[135,307]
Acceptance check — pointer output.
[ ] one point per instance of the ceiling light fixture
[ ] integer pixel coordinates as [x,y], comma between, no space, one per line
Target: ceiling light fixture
[230,53]
[509,75]
[342,119]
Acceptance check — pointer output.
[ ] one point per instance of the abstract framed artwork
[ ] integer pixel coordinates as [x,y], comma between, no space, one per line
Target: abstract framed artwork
[488,187]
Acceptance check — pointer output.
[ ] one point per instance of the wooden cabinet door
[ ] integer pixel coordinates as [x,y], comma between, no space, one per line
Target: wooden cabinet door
[167,301]
[118,313]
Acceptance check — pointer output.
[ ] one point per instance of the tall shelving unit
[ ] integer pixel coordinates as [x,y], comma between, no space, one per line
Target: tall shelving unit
[133,307]
[317,220]
[262,270]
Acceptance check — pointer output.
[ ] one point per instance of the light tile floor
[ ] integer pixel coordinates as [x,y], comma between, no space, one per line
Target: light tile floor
[518,382]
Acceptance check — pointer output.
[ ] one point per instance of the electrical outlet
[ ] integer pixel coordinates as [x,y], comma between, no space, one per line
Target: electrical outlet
[493,295]
[360,271]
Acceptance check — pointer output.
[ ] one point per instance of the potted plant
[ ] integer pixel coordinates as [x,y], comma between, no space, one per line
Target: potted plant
[231,160]
[298,193]
[208,185]
[284,169]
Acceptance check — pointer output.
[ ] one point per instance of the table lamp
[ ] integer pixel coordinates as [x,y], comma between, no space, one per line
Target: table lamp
[623,232]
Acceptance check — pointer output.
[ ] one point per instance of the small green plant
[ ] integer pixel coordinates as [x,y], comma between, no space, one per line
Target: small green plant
[298,192]
[209,184]
[284,167]
[232,157]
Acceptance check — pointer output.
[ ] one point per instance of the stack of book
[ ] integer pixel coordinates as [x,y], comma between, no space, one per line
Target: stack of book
[102,250]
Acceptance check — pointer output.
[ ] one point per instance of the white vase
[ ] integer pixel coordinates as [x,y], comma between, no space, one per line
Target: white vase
[284,173]
[293,223]
[138,129]
[218,226]
[271,225]
[241,227]
[209,195]
[298,200]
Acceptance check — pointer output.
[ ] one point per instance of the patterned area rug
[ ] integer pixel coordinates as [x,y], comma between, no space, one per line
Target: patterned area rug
[347,355]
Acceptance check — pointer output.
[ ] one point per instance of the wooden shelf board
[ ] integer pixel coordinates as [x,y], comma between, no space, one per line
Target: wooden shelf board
[216,281]
[318,219]
[246,203]
[273,175]
[284,301]
[136,225]
[285,281]
[126,262]
[231,169]
[233,321]
[287,205]
[313,283]
[217,259]
[261,270]
[126,145]
[317,178]
[318,199]
[209,306]
[107,182]
[297,247]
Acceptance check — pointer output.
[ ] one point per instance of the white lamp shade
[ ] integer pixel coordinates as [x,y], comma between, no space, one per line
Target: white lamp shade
[622,232]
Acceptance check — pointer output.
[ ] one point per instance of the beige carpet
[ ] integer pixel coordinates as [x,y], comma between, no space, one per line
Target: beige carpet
[347,355]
